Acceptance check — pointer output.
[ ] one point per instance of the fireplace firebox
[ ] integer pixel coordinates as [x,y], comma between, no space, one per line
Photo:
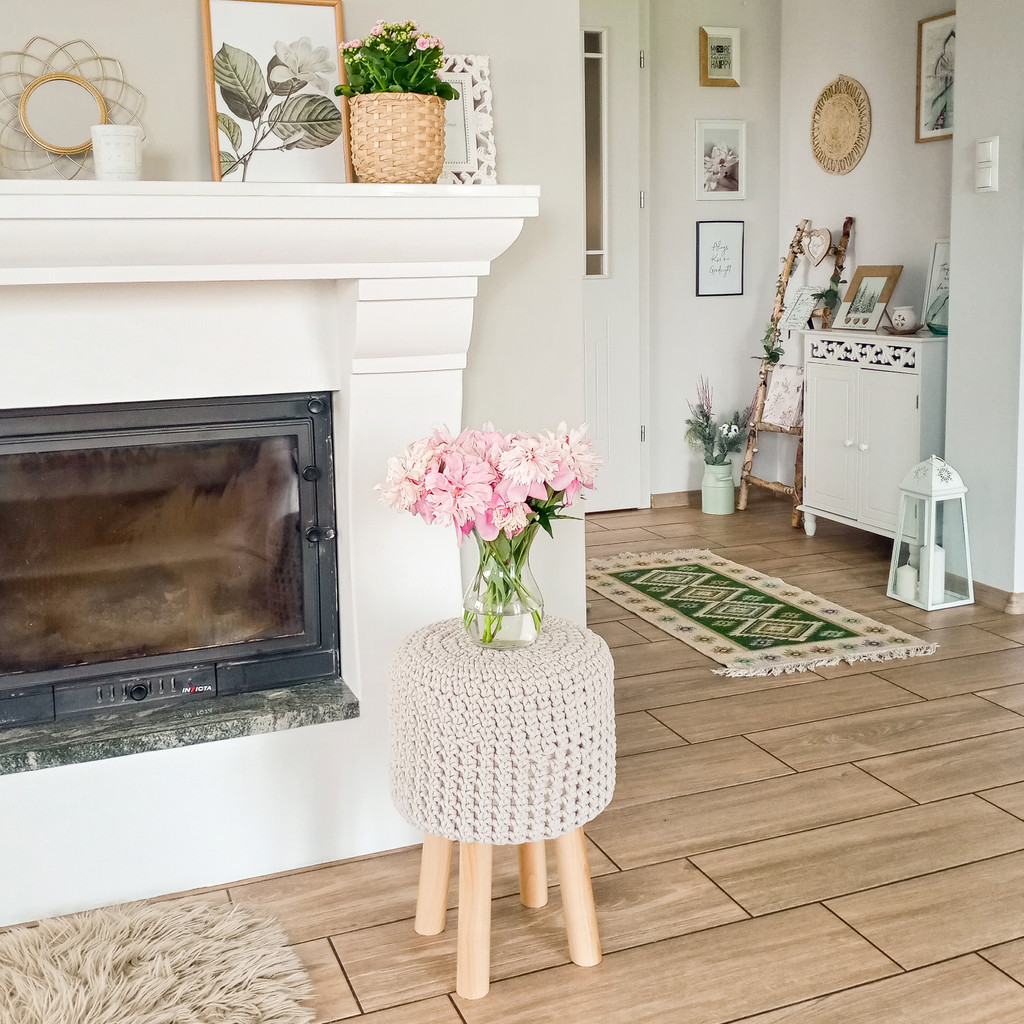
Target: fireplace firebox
[161,552]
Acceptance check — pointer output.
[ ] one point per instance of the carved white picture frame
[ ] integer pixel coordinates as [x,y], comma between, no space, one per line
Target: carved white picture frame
[469,125]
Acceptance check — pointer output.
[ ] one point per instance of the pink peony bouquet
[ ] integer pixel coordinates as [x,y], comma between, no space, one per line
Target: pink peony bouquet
[491,482]
[500,488]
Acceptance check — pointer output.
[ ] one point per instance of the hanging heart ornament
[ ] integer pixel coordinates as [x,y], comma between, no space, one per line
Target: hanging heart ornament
[817,244]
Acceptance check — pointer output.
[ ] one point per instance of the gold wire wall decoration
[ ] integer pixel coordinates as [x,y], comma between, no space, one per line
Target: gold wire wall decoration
[25,152]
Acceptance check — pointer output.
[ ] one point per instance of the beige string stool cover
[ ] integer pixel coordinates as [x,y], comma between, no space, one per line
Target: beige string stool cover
[498,748]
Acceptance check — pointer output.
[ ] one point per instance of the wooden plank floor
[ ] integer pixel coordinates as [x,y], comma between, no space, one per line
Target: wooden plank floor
[839,847]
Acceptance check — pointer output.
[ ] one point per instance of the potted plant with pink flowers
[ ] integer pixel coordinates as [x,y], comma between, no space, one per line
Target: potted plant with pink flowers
[500,488]
[396,103]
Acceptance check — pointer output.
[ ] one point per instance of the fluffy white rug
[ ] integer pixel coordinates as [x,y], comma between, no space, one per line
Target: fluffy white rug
[152,963]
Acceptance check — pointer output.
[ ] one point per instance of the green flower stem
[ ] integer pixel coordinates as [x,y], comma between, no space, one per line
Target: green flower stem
[502,562]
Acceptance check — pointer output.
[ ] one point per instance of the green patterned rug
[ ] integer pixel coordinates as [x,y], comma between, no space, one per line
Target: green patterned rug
[754,625]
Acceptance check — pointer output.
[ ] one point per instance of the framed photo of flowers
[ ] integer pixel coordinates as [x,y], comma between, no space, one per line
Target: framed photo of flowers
[866,298]
[719,257]
[719,56]
[936,49]
[271,69]
[721,150]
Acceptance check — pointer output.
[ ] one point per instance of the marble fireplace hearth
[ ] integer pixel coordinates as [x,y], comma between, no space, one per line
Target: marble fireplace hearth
[152,291]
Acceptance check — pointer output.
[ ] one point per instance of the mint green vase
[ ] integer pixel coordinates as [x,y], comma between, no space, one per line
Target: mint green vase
[717,492]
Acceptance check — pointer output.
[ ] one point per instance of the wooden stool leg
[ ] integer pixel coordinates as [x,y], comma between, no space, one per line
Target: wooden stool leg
[432,899]
[533,874]
[473,949]
[578,899]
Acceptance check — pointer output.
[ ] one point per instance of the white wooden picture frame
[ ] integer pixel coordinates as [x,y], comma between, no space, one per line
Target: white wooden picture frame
[470,154]
[721,164]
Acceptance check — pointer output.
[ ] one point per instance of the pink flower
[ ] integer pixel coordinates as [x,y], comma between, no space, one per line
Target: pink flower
[512,518]
[459,492]
[578,453]
[528,460]
[402,488]
[429,43]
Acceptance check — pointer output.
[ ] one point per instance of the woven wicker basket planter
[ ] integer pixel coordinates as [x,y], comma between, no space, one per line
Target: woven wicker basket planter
[397,137]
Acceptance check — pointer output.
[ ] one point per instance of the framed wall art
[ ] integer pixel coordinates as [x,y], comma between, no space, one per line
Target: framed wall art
[870,289]
[721,159]
[271,69]
[936,49]
[719,257]
[469,154]
[719,56]
[936,297]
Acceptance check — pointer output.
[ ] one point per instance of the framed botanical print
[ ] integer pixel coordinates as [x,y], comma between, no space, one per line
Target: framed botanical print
[936,49]
[271,69]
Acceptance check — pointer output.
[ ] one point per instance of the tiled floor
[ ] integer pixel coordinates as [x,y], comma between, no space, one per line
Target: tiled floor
[845,847]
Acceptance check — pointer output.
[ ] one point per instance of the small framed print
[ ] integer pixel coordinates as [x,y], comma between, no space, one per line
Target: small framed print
[719,257]
[719,56]
[721,159]
[469,154]
[866,298]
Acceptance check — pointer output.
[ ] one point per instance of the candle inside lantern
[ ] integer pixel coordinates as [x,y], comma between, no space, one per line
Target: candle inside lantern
[906,583]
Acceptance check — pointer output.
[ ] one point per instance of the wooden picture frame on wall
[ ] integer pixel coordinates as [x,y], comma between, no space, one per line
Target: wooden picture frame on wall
[271,68]
[720,56]
[936,49]
[870,290]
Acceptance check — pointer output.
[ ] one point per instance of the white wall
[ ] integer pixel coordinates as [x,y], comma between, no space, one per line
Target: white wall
[711,336]
[265,804]
[984,402]
[898,194]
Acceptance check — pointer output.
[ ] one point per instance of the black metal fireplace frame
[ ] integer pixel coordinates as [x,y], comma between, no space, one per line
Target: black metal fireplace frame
[259,664]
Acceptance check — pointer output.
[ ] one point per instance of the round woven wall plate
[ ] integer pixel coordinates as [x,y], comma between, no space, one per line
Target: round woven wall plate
[841,125]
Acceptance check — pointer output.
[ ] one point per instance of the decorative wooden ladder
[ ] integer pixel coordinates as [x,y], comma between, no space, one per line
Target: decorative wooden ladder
[747,478]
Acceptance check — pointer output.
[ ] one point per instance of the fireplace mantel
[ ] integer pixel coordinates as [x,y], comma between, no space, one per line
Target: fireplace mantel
[97,232]
[151,291]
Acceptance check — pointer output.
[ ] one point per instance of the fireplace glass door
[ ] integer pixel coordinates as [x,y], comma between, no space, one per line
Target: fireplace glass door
[171,538]
[111,553]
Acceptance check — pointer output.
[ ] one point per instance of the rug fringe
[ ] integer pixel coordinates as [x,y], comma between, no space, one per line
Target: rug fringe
[896,654]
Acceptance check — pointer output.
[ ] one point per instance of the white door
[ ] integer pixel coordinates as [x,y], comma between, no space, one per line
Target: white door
[889,442]
[611,290]
[830,437]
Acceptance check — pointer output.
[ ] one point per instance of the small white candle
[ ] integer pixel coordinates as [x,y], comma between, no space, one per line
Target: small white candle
[906,583]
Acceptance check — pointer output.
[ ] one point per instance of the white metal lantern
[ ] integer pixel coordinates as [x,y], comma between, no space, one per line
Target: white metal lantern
[931,555]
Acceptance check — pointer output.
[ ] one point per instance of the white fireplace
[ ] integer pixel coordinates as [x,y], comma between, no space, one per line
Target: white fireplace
[152,291]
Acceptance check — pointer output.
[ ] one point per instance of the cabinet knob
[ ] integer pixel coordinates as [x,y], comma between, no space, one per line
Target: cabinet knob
[862,447]
[847,444]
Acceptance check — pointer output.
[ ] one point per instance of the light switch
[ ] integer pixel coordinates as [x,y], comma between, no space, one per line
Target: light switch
[986,165]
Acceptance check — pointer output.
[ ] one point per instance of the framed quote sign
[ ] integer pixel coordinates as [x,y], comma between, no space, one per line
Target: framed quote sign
[719,257]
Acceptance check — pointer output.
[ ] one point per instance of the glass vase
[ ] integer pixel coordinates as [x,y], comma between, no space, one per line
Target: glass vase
[503,607]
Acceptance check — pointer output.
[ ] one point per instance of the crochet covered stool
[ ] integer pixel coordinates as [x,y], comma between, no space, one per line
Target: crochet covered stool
[500,748]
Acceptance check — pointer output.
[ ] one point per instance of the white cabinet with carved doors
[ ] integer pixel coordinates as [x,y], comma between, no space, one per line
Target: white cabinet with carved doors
[874,405]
